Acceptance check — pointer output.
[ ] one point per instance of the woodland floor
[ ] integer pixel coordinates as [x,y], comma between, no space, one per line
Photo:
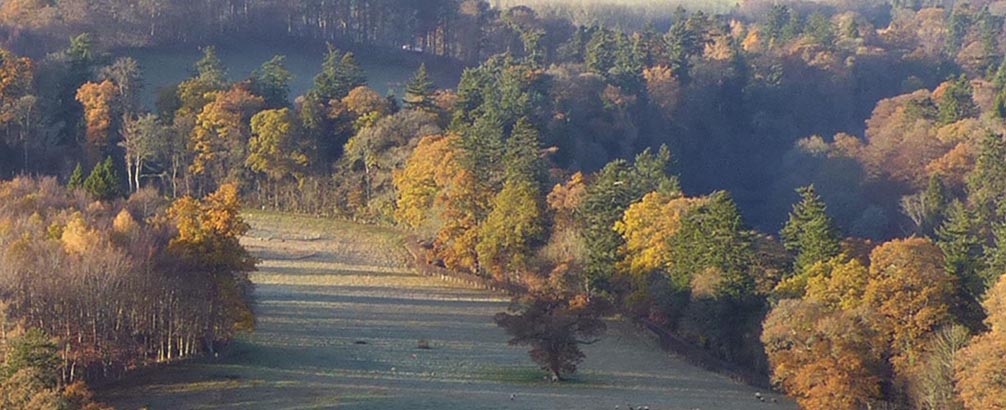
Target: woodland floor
[339,319]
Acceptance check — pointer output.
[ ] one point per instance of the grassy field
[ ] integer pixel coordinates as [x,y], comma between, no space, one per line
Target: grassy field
[340,317]
[386,70]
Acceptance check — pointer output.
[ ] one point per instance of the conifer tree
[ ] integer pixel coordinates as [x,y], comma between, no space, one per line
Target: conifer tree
[810,233]
[76,178]
[419,91]
[272,82]
[600,53]
[962,248]
[103,183]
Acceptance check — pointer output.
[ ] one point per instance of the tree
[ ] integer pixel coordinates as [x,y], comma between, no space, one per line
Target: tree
[208,244]
[555,327]
[986,184]
[979,373]
[271,81]
[273,148]
[32,350]
[419,91]
[220,138]
[810,232]
[125,74]
[516,221]
[76,178]
[98,100]
[196,92]
[600,53]
[911,294]
[824,359]
[962,248]
[427,173]
[144,139]
[956,102]
[103,183]
[339,74]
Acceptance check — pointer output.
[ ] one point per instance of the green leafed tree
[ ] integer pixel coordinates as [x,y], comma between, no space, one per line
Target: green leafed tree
[272,82]
[419,91]
[810,233]
[103,183]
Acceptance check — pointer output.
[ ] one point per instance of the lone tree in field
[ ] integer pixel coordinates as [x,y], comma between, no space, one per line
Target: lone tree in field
[555,327]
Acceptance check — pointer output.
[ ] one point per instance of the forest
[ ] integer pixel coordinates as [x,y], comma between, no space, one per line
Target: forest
[814,192]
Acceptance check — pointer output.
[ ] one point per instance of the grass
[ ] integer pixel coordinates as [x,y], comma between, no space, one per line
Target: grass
[165,66]
[325,286]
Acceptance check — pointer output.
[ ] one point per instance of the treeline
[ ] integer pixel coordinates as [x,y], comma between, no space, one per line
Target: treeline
[90,290]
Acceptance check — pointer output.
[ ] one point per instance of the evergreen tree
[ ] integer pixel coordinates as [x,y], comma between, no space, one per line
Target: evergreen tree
[987,183]
[962,248]
[810,232]
[935,199]
[419,91]
[272,82]
[522,159]
[76,178]
[994,257]
[627,72]
[682,43]
[339,74]
[820,29]
[712,239]
[210,69]
[103,183]
[956,102]
[600,53]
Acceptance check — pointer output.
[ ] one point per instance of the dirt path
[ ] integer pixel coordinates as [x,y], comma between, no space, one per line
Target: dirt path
[339,320]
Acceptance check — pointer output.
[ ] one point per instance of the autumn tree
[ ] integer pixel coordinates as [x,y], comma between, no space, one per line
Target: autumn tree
[555,327]
[273,148]
[824,359]
[810,233]
[911,294]
[207,244]
[220,138]
[427,172]
[98,100]
[979,372]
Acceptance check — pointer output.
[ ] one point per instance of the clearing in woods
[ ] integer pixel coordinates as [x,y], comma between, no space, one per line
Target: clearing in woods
[340,317]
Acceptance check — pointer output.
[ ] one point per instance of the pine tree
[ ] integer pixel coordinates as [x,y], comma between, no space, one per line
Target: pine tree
[76,178]
[210,69]
[987,183]
[600,56]
[272,82]
[810,232]
[522,159]
[419,91]
[339,74]
[103,183]
[962,248]
[957,102]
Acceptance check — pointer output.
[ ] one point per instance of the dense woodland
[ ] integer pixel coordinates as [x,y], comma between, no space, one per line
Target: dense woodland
[815,192]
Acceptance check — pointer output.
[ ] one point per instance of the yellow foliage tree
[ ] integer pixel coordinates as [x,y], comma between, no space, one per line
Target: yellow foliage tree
[647,227]
[427,172]
[222,130]
[838,283]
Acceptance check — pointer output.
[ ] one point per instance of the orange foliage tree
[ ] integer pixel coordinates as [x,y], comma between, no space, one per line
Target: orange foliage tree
[980,368]
[98,100]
